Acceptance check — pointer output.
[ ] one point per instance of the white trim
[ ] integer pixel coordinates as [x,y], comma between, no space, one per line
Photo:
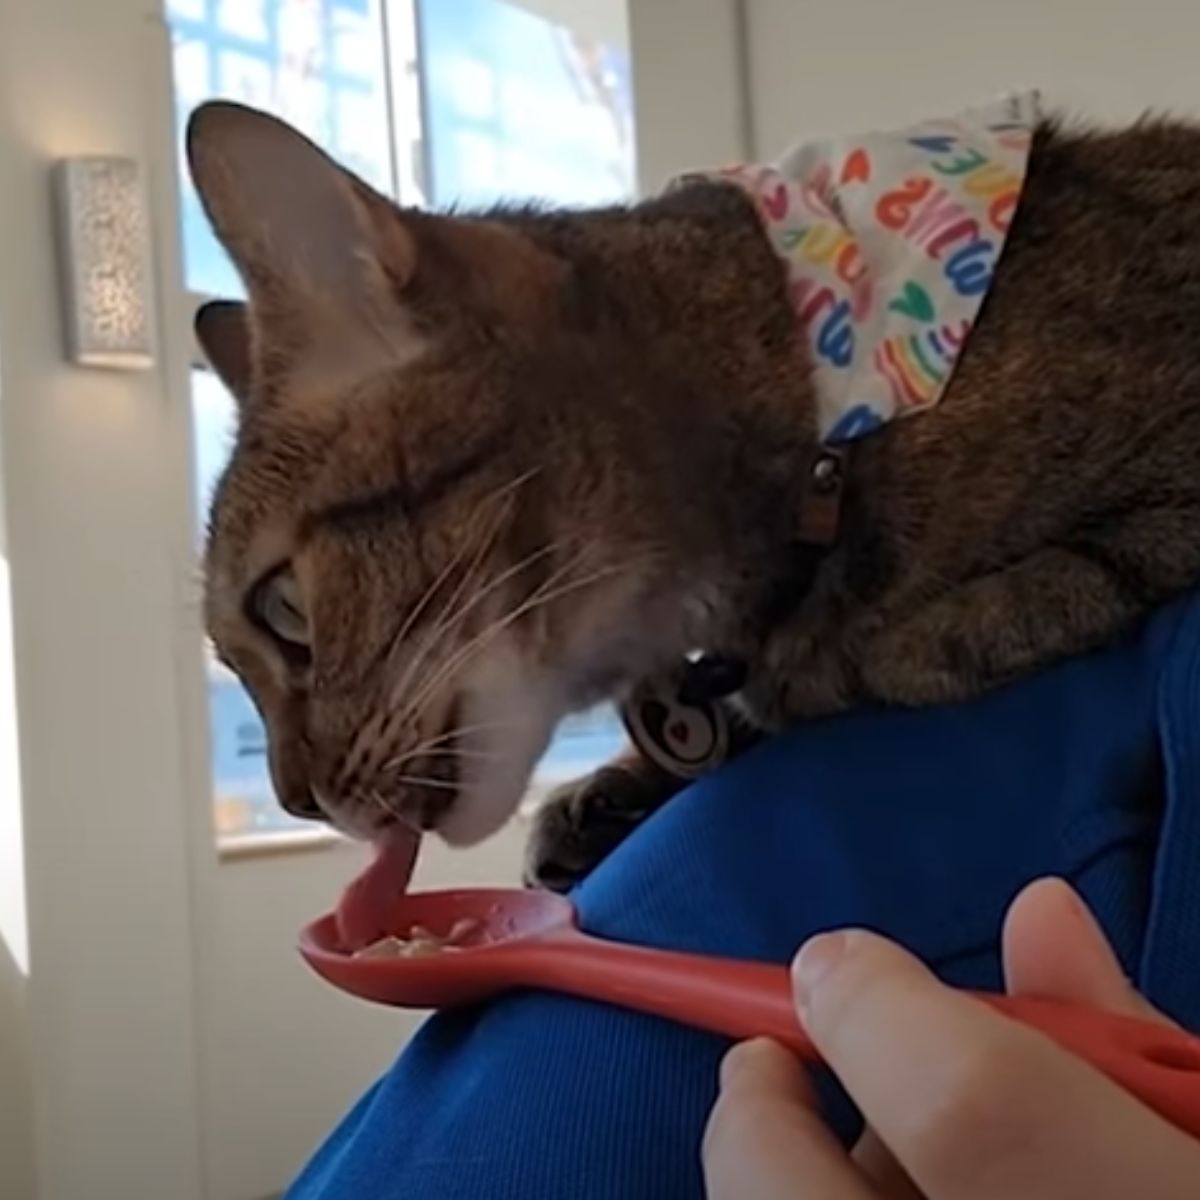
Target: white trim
[405,115]
[177,309]
[242,846]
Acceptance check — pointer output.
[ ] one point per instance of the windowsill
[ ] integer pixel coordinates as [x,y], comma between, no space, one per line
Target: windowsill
[236,847]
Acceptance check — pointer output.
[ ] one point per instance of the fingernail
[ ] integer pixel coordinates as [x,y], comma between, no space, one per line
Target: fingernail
[1072,899]
[745,1055]
[817,957]
[1077,906]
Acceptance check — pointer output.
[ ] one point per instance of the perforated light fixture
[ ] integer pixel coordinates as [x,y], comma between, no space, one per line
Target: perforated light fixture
[104,252]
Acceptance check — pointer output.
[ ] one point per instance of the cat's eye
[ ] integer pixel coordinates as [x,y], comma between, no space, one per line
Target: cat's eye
[277,606]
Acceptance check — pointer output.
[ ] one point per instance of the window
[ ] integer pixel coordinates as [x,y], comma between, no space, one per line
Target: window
[434,103]
[519,107]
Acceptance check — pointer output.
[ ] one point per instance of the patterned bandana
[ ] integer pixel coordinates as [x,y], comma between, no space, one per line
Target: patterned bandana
[891,241]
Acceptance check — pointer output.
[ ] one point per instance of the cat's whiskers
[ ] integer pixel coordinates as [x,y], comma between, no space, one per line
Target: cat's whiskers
[408,622]
[414,702]
[436,745]
[460,731]
[477,598]
[426,781]
[479,545]
[376,797]
[452,752]
[414,614]
[456,608]
[488,534]
[544,595]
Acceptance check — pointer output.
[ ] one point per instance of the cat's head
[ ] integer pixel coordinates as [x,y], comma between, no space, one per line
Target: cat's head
[429,543]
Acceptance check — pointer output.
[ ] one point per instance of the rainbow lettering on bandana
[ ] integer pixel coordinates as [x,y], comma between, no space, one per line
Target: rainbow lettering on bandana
[891,243]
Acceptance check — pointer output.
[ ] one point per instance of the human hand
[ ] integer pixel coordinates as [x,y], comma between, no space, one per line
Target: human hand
[961,1102]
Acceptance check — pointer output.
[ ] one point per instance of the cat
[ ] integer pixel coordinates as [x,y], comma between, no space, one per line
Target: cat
[492,468]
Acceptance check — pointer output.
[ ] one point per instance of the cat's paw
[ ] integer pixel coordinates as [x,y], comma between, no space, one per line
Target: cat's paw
[584,820]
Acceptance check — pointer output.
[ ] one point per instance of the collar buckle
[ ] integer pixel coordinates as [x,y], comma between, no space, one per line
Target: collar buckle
[821,503]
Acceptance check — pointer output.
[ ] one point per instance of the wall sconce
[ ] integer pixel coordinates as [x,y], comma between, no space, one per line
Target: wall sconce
[104,254]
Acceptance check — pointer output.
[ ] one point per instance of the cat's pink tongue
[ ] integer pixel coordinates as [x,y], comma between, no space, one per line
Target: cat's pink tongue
[366,904]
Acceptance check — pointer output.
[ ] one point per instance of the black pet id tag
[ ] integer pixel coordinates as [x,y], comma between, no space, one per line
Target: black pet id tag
[686,740]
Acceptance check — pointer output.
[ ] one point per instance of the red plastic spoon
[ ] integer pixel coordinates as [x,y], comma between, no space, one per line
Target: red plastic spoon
[531,939]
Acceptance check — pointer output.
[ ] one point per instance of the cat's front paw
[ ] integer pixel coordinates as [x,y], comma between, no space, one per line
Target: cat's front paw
[584,820]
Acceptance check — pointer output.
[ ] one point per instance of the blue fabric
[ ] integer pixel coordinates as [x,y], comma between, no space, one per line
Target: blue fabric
[920,824]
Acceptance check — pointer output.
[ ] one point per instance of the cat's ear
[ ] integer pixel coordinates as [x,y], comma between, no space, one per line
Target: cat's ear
[223,331]
[323,256]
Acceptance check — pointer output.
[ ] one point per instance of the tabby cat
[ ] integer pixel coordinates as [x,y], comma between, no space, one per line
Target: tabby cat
[494,468]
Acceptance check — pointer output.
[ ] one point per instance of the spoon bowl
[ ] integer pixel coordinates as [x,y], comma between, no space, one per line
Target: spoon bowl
[503,919]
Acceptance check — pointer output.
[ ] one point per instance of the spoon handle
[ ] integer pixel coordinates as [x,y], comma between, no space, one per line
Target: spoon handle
[739,999]
[1157,1063]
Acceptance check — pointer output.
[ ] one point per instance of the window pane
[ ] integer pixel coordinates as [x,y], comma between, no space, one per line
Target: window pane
[318,64]
[581,743]
[518,107]
[243,799]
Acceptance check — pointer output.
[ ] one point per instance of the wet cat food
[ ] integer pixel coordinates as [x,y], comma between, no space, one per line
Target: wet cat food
[420,942]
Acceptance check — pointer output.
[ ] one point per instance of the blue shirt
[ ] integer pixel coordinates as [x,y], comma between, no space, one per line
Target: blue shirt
[922,825]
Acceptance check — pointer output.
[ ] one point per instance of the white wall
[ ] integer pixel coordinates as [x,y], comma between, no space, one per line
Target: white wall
[848,65]
[109,993]
[603,20]
[688,86]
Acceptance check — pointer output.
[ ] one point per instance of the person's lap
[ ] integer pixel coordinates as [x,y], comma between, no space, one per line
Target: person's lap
[920,825]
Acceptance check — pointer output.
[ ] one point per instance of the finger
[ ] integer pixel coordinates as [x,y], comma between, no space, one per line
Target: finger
[974,1105]
[765,1139]
[879,1165]
[760,1062]
[1054,947]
